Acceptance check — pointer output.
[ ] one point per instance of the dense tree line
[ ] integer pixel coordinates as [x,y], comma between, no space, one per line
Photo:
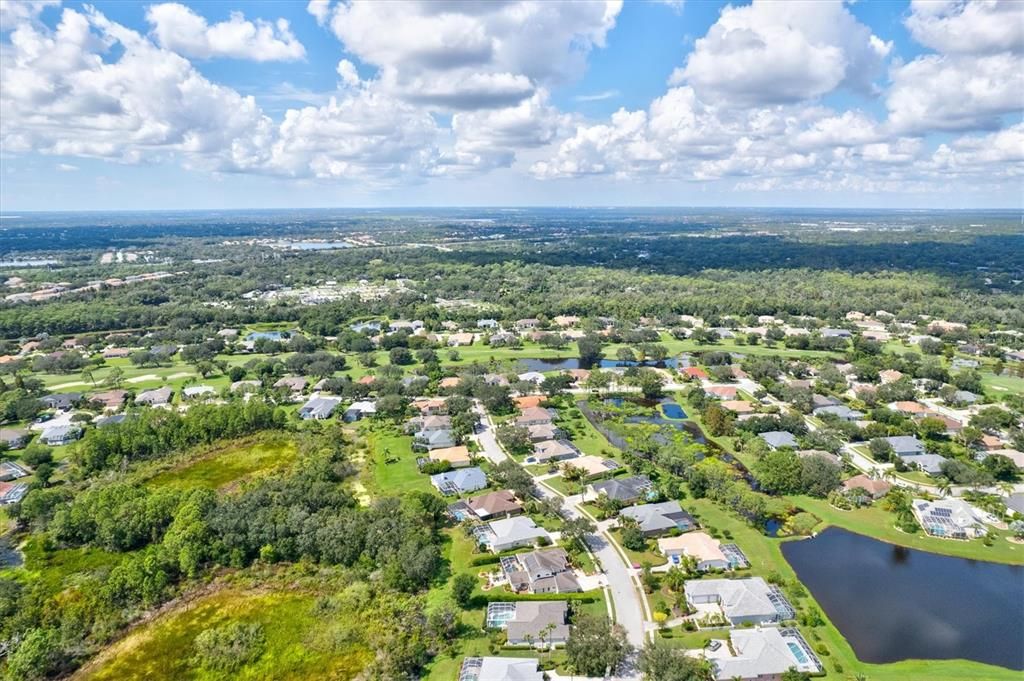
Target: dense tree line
[153,432]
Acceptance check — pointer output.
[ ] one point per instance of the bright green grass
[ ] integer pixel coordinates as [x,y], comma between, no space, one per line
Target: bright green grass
[299,644]
[53,570]
[874,522]
[388,442]
[227,465]
[650,555]
[1009,384]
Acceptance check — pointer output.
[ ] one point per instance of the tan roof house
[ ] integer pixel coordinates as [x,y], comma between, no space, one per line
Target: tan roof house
[458,457]
[699,545]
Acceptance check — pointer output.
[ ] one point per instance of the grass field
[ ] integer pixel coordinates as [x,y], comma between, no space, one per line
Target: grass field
[386,443]
[227,465]
[874,522]
[300,644]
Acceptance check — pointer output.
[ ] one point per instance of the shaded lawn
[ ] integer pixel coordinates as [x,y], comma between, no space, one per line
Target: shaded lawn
[229,464]
[300,644]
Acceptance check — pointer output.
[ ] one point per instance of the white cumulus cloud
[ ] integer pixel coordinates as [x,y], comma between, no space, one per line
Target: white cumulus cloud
[178,28]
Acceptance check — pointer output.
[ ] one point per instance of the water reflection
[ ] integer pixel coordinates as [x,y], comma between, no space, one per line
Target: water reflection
[894,603]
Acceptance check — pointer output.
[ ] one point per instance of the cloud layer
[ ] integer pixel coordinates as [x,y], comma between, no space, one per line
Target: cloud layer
[435,89]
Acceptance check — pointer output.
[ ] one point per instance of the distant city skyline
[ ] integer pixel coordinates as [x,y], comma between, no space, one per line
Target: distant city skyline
[330,104]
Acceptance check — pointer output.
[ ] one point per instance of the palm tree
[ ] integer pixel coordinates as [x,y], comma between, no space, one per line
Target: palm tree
[944,486]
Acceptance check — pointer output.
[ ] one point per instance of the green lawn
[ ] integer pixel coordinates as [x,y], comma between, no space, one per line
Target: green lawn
[229,464]
[300,643]
[387,443]
[650,555]
[875,522]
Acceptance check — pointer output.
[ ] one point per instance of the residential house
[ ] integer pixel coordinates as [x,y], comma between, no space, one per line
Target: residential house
[875,489]
[695,373]
[360,409]
[12,471]
[460,339]
[527,324]
[840,411]
[433,439]
[534,623]
[500,504]
[111,400]
[111,420]
[245,386]
[60,435]
[889,375]
[553,450]
[740,407]
[950,518]
[763,654]
[777,439]
[534,377]
[155,397]
[14,438]
[319,408]
[116,353]
[905,445]
[426,424]
[12,492]
[449,383]
[61,401]
[459,481]
[432,407]
[623,490]
[828,456]
[655,519]
[457,456]
[964,397]
[721,392]
[527,401]
[487,323]
[593,466]
[909,408]
[546,431]
[1015,503]
[511,533]
[500,669]
[836,333]
[547,571]
[578,376]
[564,320]
[414,325]
[991,442]
[929,463]
[742,601]
[293,384]
[1012,454]
[700,546]
[194,391]
[495,379]
[535,416]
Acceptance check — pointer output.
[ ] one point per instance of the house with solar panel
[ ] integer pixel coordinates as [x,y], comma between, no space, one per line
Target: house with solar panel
[950,518]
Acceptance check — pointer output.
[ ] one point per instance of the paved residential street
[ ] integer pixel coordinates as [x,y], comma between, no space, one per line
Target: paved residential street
[628,607]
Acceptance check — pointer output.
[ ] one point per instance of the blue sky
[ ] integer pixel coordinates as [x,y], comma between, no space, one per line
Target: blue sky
[279,104]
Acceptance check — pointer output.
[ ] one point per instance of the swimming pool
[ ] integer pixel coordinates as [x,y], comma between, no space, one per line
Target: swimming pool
[798,652]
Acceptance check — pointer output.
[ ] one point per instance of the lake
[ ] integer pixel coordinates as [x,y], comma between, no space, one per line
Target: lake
[893,603]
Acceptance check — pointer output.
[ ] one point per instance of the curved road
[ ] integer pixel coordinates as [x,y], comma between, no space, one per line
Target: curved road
[629,608]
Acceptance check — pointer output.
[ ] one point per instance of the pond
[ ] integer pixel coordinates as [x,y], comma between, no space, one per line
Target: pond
[893,603]
[673,410]
[9,555]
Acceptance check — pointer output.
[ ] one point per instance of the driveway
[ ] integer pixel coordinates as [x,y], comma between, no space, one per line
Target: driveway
[629,610]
